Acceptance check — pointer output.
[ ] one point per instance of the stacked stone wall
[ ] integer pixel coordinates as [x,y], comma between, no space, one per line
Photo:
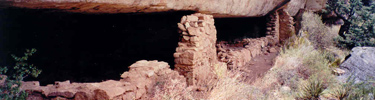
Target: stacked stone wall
[238,54]
[286,25]
[196,55]
[273,27]
[241,52]
[280,27]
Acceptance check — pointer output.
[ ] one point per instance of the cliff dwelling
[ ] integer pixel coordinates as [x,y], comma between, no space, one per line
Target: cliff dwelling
[130,50]
[77,47]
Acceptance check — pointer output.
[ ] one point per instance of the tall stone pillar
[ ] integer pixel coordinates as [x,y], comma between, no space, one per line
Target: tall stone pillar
[196,54]
[273,26]
[286,28]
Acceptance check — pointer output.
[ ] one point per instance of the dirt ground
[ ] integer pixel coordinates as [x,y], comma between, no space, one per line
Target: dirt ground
[258,67]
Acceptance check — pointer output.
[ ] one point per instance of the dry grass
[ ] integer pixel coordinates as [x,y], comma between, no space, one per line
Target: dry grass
[300,71]
[230,87]
[304,58]
[172,89]
[317,32]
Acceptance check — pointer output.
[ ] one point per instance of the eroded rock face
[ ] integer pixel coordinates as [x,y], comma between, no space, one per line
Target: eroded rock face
[360,66]
[219,8]
[140,82]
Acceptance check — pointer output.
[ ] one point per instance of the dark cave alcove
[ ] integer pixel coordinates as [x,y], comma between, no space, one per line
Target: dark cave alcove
[234,29]
[87,47]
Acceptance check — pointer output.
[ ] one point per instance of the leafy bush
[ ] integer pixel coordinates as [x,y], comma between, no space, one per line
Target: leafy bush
[11,86]
[359,20]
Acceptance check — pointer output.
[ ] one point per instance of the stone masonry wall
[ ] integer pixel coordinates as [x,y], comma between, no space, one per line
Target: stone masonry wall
[196,55]
[241,52]
[238,54]
[286,25]
[140,82]
[273,26]
[279,28]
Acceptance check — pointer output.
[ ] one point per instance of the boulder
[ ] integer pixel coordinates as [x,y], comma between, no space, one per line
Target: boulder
[360,65]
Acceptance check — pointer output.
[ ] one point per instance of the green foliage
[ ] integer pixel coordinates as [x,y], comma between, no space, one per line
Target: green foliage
[312,89]
[11,86]
[341,92]
[355,91]
[359,21]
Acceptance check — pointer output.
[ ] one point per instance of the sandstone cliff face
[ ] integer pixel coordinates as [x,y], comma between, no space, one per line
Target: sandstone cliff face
[218,8]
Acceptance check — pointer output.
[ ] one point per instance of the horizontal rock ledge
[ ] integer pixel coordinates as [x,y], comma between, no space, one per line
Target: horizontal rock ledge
[218,8]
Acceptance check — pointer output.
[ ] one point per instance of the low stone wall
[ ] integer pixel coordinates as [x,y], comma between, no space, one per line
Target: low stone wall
[140,82]
[280,27]
[238,54]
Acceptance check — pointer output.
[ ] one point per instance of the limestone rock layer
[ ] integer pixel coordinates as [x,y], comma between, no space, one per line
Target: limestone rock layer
[218,8]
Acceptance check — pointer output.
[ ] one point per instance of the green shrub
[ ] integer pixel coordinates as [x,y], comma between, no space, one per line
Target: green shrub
[341,92]
[316,31]
[312,89]
[10,89]
[354,91]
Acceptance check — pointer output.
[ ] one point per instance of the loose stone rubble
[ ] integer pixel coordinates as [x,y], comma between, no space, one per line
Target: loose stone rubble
[139,82]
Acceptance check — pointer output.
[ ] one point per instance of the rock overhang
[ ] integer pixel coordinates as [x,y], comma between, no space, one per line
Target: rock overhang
[218,8]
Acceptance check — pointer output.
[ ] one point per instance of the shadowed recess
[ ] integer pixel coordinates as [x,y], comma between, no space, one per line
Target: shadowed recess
[87,47]
[234,29]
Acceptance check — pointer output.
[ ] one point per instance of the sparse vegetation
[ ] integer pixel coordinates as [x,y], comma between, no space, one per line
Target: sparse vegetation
[15,74]
[312,89]
[304,63]
[354,91]
[230,88]
[304,69]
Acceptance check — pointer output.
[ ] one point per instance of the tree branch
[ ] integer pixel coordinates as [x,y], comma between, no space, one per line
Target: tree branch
[341,16]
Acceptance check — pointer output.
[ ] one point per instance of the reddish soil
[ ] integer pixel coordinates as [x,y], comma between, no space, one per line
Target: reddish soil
[258,66]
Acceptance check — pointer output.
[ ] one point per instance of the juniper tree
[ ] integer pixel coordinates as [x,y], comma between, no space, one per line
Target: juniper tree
[358,28]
